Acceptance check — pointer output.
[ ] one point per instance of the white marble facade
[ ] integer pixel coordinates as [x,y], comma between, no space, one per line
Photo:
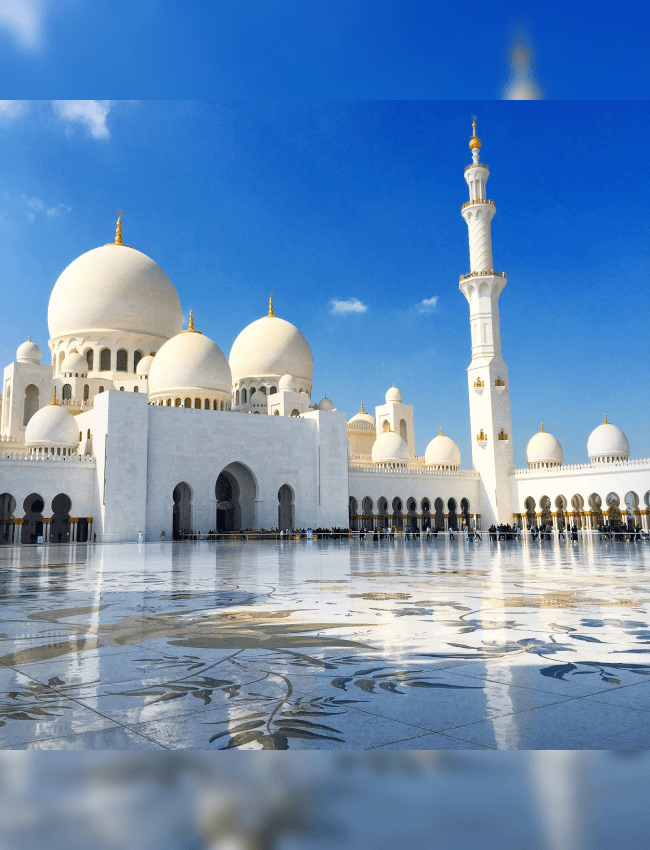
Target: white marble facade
[154,430]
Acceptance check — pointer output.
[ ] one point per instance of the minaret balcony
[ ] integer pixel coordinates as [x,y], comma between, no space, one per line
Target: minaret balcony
[479,386]
[479,201]
[481,437]
[476,165]
[490,273]
[502,435]
[500,385]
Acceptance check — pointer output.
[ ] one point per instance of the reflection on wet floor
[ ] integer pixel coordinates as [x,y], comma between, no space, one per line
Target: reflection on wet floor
[326,645]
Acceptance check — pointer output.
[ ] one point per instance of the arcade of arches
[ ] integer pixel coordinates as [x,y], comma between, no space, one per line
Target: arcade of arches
[31,525]
[587,514]
[410,513]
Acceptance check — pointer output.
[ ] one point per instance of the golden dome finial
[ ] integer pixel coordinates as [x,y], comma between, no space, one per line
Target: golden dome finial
[474,142]
[441,434]
[271,304]
[118,229]
[54,401]
[605,422]
[190,327]
[541,428]
[362,410]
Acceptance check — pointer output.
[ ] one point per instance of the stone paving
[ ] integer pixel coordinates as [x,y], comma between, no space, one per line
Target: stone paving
[341,645]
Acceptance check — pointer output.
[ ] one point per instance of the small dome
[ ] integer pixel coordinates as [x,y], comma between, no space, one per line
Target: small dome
[608,441]
[52,427]
[29,352]
[544,448]
[390,448]
[75,363]
[144,366]
[270,347]
[114,288]
[362,417]
[393,394]
[288,383]
[442,451]
[325,404]
[189,363]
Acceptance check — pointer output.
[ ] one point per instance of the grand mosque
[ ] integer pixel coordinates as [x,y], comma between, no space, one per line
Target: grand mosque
[140,426]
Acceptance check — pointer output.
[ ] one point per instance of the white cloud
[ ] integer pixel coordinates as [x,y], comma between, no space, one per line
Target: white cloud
[35,206]
[23,21]
[428,305]
[91,113]
[352,305]
[12,108]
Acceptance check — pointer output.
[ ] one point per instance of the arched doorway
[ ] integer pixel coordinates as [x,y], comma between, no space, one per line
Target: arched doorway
[182,510]
[596,505]
[547,514]
[464,509]
[31,402]
[60,528]
[366,509]
[397,513]
[560,507]
[578,505]
[614,509]
[426,514]
[453,520]
[631,505]
[531,516]
[412,507]
[352,519]
[33,519]
[285,508]
[7,508]
[236,492]
[382,512]
[440,514]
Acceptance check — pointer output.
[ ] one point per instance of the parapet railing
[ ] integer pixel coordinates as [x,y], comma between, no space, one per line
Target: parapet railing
[404,468]
[476,165]
[477,201]
[581,467]
[489,273]
[46,457]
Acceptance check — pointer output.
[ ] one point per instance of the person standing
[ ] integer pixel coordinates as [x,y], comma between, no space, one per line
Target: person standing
[140,538]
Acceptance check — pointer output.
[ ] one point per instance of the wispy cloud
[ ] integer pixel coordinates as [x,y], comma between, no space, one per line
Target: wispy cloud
[23,20]
[35,206]
[12,108]
[91,114]
[352,305]
[428,305]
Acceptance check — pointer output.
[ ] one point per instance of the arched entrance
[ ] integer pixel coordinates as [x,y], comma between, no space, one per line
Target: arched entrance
[33,519]
[397,522]
[353,510]
[367,509]
[7,508]
[60,528]
[426,514]
[182,510]
[236,492]
[285,507]
[440,514]
[453,519]
[464,509]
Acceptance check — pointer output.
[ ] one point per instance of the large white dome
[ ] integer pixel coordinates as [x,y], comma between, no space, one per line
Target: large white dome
[442,451]
[607,442]
[114,288]
[544,448]
[189,363]
[52,427]
[271,346]
[390,448]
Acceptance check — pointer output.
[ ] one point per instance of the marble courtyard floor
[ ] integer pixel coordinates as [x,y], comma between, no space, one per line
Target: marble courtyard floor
[326,645]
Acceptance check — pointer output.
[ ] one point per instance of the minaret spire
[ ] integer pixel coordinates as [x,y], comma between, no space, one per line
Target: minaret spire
[489,394]
[118,229]
[271,304]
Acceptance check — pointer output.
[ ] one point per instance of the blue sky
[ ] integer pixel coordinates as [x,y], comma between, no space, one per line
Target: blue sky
[343,201]
[317,151]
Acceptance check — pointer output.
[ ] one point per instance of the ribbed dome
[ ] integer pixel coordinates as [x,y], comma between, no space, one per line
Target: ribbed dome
[608,441]
[442,451]
[362,417]
[29,352]
[325,404]
[393,394]
[544,448]
[114,288]
[270,347]
[144,366]
[288,383]
[75,363]
[189,363]
[390,448]
[53,427]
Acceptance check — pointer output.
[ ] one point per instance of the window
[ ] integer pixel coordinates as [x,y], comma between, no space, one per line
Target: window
[206,405]
[188,402]
[101,389]
[80,436]
[86,392]
[243,396]
[122,359]
[67,392]
[136,389]
[121,389]
[169,402]
[237,397]
[215,405]
[263,390]
[90,358]
[177,403]
[273,390]
[137,357]
[105,360]
[197,404]
[88,437]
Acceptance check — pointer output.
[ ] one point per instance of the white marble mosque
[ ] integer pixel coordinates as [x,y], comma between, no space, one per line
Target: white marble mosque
[140,426]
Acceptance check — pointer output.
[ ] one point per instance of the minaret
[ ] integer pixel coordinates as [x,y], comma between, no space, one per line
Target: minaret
[489,391]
